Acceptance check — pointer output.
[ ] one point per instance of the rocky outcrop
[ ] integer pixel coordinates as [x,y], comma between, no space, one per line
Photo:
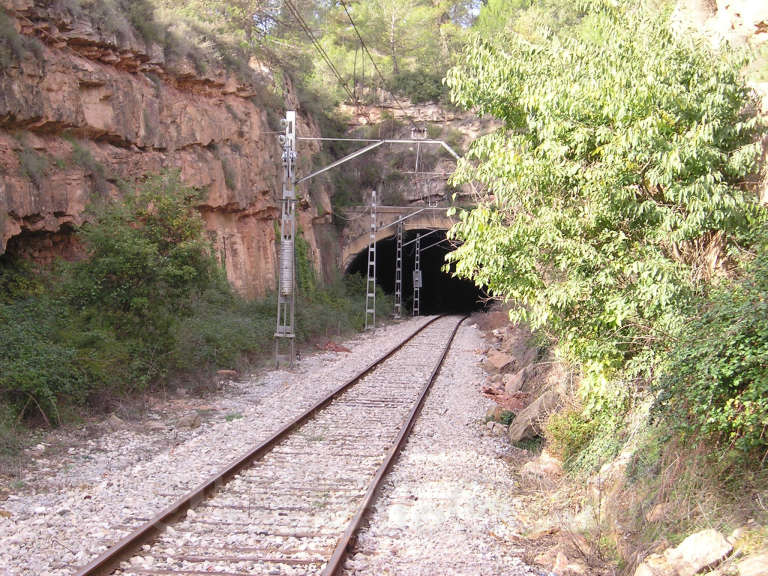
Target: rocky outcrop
[699,552]
[83,109]
[734,21]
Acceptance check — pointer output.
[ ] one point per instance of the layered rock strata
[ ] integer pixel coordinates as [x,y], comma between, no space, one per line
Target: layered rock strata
[83,109]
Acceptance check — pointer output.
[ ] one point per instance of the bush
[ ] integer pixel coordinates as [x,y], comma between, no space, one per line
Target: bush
[10,443]
[568,432]
[420,86]
[615,177]
[13,46]
[716,382]
[148,304]
[37,367]
[33,165]
[81,156]
[224,331]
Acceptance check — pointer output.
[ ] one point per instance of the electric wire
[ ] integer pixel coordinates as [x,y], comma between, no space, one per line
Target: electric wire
[304,26]
[375,67]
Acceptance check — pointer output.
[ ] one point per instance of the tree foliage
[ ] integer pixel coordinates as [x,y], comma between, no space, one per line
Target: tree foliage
[616,185]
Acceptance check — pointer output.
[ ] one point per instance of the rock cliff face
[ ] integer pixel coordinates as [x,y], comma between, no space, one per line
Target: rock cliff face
[82,109]
[734,21]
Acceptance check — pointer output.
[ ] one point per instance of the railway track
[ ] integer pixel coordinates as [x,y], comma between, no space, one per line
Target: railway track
[293,504]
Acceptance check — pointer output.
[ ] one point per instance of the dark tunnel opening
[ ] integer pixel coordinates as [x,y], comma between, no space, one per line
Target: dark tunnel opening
[441,293]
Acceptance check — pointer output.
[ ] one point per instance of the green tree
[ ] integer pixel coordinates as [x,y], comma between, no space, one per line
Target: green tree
[615,186]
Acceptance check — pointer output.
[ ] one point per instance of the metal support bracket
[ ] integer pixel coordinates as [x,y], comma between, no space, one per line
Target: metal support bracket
[286,296]
[370,291]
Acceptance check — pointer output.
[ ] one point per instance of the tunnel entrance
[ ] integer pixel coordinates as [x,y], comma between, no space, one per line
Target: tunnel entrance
[440,293]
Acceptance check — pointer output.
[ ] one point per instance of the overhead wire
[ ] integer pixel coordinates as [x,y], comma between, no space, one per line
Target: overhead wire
[375,66]
[304,26]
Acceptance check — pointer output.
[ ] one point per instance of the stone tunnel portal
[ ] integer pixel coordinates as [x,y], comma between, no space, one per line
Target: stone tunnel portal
[440,293]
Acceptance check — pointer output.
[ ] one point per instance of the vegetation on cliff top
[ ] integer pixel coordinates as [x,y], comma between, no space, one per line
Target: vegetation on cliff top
[412,42]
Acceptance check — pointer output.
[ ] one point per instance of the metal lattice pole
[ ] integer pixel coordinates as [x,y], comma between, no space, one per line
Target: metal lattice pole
[286,290]
[370,295]
[399,271]
[417,277]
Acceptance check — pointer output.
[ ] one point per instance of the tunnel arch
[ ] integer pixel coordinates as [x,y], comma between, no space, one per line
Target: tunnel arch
[356,235]
[440,293]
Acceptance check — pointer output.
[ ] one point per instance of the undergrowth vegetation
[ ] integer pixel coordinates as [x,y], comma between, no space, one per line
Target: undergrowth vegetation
[620,217]
[148,305]
[716,382]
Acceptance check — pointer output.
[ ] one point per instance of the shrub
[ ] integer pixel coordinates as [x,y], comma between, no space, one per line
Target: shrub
[38,369]
[81,156]
[10,443]
[106,15]
[148,304]
[716,382]
[419,86]
[33,165]
[141,15]
[617,174]
[224,331]
[147,254]
[230,175]
[568,432]
[13,45]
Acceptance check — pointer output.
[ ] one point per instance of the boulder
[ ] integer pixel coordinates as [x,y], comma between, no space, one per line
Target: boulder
[494,413]
[558,561]
[700,551]
[496,380]
[499,361]
[114,422]
[513,383]
[543,466]
[497,429]
[754,565]
[697,553]
[655,565]
[527,423]
[191,420]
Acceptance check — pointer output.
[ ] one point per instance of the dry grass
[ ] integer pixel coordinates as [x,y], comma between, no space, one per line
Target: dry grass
[686,488]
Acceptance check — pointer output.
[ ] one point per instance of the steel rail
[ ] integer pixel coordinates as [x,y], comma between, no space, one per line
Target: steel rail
[109,560]
[340,552]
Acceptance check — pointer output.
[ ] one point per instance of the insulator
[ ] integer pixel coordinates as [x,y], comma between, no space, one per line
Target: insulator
[286,267]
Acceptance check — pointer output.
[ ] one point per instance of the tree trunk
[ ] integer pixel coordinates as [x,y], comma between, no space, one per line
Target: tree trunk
[395,68]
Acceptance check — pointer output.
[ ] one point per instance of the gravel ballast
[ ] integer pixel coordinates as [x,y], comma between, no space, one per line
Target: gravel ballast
[447,507]
[73,505]
[448,504]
